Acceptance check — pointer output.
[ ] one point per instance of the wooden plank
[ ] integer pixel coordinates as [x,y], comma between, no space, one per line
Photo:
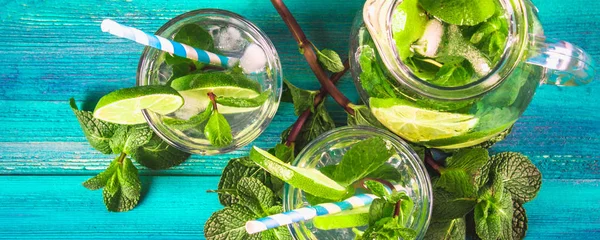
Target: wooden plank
[48,207]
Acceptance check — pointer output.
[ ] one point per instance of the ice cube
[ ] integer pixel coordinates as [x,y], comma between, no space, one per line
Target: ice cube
[254,59]
[192,106]
[229,40]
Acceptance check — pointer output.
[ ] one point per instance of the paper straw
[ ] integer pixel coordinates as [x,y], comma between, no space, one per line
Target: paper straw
[166,45]
[307,213]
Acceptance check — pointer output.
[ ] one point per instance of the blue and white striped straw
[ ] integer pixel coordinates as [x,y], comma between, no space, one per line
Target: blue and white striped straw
[307,213]
[166,45]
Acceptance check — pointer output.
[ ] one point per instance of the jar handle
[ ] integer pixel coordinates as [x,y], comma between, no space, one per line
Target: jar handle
[567,64]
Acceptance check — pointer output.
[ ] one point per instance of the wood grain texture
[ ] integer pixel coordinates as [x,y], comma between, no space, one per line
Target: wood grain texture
[47,207]
[54,50]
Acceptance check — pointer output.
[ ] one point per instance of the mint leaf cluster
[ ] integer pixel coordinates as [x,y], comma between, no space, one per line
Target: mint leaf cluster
[493,189]
[388,215]
[121,180]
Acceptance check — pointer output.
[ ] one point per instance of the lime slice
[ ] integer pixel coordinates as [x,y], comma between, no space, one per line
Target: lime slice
[418,124]
[347,219]
[194,89]
[125,106]
[309,180]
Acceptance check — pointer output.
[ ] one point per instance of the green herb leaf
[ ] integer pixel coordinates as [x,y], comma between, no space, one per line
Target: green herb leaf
[377,189]
[235,170]
[491,36]
[408,24]
[194,122]
[372,78]
[389,228]
[244,102]
[454,229]
[229,223]
[448,206]
[460,12]
[494,212]
[521,178]
[122,191]
[317,124]
[364,117]
[302,99]
[195,36]
[97,132]
[157,154]
[284,153]
[380,208]
[255,196]
[519,221]
[218,131]
[454,74]
[456,181]
[100,180]
[330,60]
[360,160]
[128,138]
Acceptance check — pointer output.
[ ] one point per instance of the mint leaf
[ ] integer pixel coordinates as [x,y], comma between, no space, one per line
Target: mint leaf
[494,212]
[460,12]
[318,123]
[284,153]
[459,176]
[377,189]
[456,181]
[122,191]
[193,122]
[218,131]
[454,229]
[519,221]
[228,223]
[330,60]
[302,99]
[521,178]
[157,154]
[454,73]
[363,116]
[448,206]
[100,180]
[128,138]
[255,196]
[244,102]
[235,170]
[491,36]
[408,24]
[361,159]
[380,208]
[195,36]
[389,228]
[372,77]
[469,160]
[97,132]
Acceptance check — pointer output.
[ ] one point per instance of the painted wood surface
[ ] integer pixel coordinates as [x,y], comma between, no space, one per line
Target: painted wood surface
[53,50]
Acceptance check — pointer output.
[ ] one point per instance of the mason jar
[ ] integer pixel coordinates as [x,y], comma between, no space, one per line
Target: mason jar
[457,116]
[232,35]
[329,148]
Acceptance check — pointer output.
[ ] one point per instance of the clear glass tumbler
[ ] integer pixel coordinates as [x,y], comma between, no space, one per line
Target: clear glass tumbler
[232,34]
[329,148]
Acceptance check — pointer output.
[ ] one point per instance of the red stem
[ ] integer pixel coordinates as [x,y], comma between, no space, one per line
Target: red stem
[212,97]
[318,99]
[429,160]
[310,55]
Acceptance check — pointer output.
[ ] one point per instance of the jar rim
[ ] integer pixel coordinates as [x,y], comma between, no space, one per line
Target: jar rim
[263,118]
[513,54]
[306,159]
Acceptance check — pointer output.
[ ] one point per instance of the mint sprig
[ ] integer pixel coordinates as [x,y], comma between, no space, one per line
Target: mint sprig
[120,180]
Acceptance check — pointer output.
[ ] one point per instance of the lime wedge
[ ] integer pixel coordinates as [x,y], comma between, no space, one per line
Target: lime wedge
[125,106]
[309,180]
[347,219]
[194,88]
[418,124]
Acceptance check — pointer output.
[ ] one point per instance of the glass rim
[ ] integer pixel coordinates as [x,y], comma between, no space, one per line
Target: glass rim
[404,147]
[513,54]
[266,117]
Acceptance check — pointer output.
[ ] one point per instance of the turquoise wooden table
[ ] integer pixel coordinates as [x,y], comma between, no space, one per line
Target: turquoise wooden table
[53,50]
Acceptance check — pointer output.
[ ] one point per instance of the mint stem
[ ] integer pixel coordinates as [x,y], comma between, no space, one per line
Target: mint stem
[310,55]
[397,208]
[318,99]
[121,158]
[212,98]
[430,161]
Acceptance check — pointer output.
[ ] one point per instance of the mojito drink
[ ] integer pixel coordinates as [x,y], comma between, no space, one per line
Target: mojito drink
[448,45]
